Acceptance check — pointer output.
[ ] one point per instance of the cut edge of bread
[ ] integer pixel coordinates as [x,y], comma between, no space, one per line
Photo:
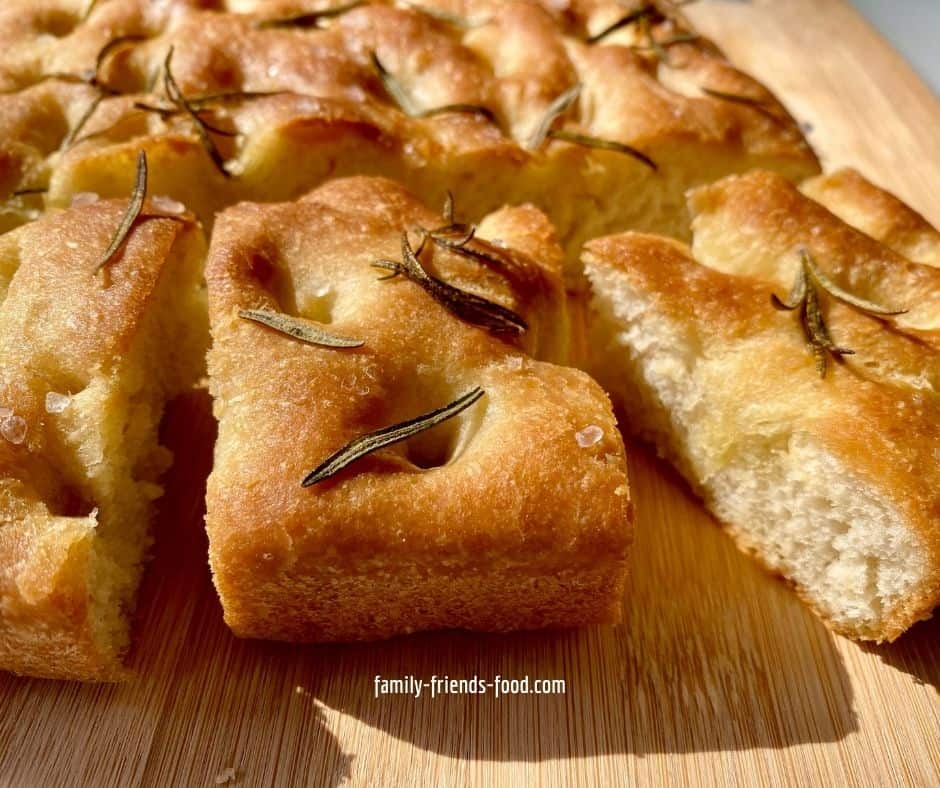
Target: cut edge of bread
[867,574]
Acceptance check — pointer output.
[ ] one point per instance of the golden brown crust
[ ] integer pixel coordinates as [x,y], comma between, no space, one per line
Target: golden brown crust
[333,113]
[884,433]
[66,331]
[522,500]
[878,213]
[752,225]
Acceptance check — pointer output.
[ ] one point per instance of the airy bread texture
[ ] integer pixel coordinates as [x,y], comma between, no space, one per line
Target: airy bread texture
[514,514]
[833,482]
[86,364]
[328,114]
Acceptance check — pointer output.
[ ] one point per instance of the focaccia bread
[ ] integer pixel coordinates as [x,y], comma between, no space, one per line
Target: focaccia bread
[87,362]
[513,514]
[878,213]
[831,480]
[480,98]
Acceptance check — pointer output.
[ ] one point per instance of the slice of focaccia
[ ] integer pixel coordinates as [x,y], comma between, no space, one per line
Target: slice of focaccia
[511,513]
[833,479]
[600,116]
[87,361]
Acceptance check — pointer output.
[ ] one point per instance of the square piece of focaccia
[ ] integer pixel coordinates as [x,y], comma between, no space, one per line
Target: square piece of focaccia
[87,361]
[601,116]
[833,479]
[514,513]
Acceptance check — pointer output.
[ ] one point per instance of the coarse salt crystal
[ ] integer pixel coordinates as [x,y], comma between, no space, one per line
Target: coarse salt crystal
[13,428]
[84,198]
[167,204]
[589,436]
[4,412]
[55,402]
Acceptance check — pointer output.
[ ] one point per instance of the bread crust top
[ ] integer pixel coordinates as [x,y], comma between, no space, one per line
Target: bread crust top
[515,479]
[761,379]
[514,60]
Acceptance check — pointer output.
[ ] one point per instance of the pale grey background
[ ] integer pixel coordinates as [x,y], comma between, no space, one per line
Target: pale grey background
[913,27]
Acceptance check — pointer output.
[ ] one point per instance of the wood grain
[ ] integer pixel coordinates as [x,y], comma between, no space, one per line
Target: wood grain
[718,676]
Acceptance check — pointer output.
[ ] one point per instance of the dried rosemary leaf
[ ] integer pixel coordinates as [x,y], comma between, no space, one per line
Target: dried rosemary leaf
[298,328]
[130,215]
[645,10]
[82,121]
[311,19]
[467,306]
[373,441]
[106,51]
[804,295]
[201,102]
[175,95]
[406,104]
[825,283]
[555,110]
[27,192]
[466,109]
[393,87]
[595,142]
[757,104]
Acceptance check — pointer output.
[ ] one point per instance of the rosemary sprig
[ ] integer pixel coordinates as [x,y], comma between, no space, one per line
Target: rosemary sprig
[455,236]
[558,108]
[130,215]
[310,19]
[596,142]
[467,306]
[644,11]
[804,296]
[379,439]
[555,110]
[175,95]
[298,328]
[405,102]
[755,103]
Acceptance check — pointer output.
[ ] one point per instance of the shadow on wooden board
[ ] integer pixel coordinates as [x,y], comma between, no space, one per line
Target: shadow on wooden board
[713,655]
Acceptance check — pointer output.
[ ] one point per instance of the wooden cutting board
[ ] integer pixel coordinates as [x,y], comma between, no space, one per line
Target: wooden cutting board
[718,675]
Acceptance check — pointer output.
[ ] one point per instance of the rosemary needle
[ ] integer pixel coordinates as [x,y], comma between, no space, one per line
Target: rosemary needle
[175,95]
[298,328]
[555,110]
[130,215]
[804,296]
[467,306]
[311,19]
[373,441]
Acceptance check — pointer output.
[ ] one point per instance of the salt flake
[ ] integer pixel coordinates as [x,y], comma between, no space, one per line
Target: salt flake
[589,436]
[13,428]
[56,403]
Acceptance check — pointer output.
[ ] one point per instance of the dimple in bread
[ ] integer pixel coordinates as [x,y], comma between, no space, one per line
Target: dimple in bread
[514,514]
[87,362]
[399,91]
[833,482]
